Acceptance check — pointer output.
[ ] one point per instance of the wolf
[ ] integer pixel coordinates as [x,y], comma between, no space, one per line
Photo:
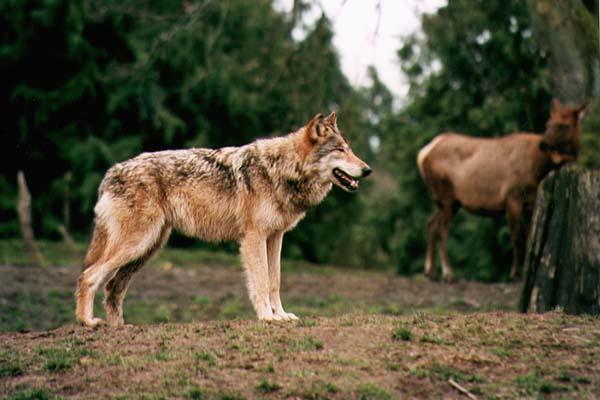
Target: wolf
[252,194]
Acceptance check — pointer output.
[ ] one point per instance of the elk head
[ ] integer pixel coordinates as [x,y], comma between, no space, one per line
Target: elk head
[563,132]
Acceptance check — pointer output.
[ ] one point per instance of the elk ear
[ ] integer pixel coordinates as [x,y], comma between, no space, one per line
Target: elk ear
[331,119]
[582,110]
[556,104]
[314,127]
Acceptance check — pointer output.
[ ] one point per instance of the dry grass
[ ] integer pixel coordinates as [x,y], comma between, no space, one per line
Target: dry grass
[493,355]
[364,335]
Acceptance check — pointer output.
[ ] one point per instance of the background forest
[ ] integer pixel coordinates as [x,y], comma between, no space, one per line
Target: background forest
[86,84]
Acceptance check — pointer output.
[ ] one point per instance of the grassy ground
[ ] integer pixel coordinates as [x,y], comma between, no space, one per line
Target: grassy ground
[363,335]
[188,286]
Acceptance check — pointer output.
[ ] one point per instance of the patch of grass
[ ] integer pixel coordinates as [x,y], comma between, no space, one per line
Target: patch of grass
[34,309]
[54,253]
[146,396]
[142,312]
[419,372]
[515,342]
[231,397]
[432,339]
[460,305]
[307,343]
[60,359]
[564,376]
[112,359]
[370,391]
[391,366]
[10,364]
[163,355]
[203,300]
[583,379]
[320,390]
[197,257]
[534,384]
[33,394]
[390,309]
[501,352]
[402,333]
[195,393]
[444,372]
[306,323]
[421,320]
[268,387]
[233,308]
[322,306]
[205,356]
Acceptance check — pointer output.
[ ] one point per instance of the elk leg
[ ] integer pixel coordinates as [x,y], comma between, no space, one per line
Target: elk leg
[432,239]
[446,217]
[514,212]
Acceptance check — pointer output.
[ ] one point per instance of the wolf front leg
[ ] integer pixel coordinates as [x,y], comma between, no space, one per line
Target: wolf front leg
[254,255]
[274,259]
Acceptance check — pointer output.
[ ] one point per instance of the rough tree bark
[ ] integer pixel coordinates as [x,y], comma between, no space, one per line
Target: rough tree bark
[24,210]
[562,264]
[568,32]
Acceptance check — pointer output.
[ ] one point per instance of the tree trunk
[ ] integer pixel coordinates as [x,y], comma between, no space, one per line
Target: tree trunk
[562,264]
[64,228]
[568,33]
[67,201]
[24,210]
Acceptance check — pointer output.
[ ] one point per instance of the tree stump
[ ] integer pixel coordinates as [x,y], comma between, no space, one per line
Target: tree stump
[562,262]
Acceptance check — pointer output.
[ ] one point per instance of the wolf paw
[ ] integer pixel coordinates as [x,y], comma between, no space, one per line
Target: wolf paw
[285,316]
[93,323]
[116,322]
[290,316]
[271,317]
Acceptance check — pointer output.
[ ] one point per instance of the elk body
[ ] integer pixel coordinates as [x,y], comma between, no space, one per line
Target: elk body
[491,176]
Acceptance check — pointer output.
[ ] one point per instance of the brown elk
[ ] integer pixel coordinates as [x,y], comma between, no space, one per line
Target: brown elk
[490,176]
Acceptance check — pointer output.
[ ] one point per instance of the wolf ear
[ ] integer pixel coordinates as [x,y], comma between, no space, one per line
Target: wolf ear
[331,119]
[314,128]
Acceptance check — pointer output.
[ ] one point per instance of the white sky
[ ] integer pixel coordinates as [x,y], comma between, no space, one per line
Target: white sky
[364,36]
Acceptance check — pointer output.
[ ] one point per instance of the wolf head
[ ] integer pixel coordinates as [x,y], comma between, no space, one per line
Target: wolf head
[331,154]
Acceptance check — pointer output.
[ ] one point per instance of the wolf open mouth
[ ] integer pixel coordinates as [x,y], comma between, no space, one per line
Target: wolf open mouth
[346,181]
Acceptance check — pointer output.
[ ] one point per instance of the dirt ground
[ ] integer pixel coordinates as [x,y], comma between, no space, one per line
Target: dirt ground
[489,355]
[363,335]
[164,292]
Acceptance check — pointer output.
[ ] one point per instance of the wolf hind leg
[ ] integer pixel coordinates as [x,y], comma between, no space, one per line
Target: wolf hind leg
[117,286]
[92,272]
[87,284]
[129,240]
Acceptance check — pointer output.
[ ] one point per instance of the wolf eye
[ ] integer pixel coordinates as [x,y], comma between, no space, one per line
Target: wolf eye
[343,150]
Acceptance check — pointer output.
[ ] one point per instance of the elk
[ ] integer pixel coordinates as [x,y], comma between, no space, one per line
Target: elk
[491,176]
